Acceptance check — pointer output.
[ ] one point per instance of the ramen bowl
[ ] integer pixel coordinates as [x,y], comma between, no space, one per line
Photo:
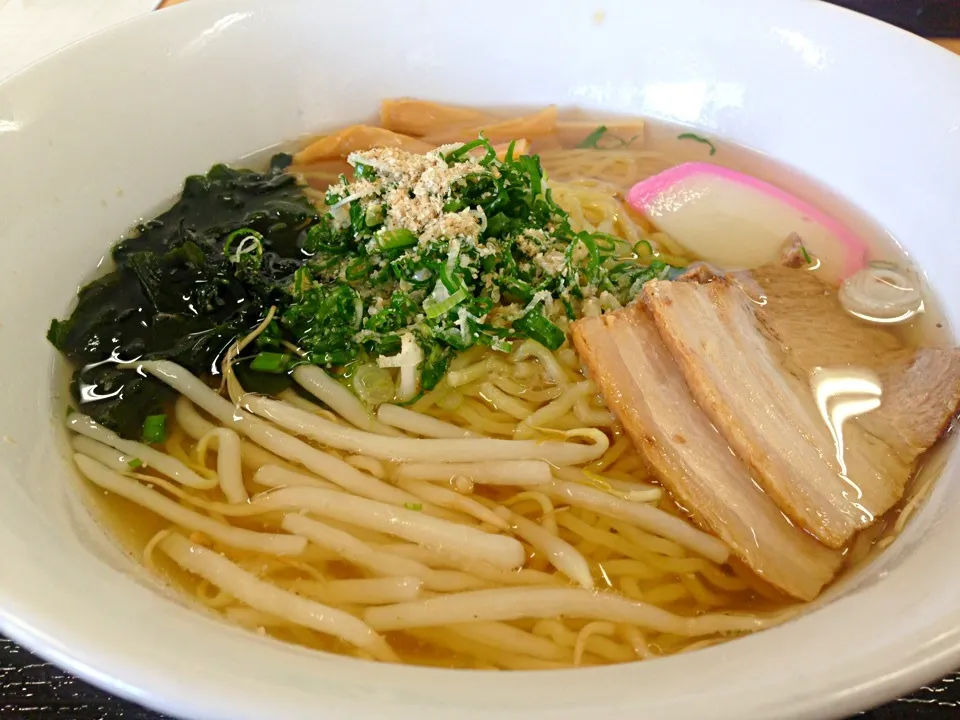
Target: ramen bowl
[102,133]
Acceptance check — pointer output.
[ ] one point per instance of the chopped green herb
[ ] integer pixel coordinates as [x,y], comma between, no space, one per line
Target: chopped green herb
[357,270]
[498,240]
[806,255]
[694,136]
[135,463]
[155,429]
[413,506]
[643,248]
[248,242]
[271,362]
[590,141]
[537,327]
[396,239]
[436,309]
[602,133]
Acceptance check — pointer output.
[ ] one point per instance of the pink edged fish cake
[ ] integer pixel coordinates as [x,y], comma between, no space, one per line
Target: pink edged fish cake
[739,222]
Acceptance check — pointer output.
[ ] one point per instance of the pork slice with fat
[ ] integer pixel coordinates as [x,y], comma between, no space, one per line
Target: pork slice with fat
[802,314]
[921,388]
[645,389]
[825,454]
[921,394]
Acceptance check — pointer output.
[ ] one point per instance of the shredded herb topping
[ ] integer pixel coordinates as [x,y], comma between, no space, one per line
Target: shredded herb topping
[453,248]
[603,139]
[155,429]
[699,139]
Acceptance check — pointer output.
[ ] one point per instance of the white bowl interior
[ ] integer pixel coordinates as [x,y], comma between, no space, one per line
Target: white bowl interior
[95,137]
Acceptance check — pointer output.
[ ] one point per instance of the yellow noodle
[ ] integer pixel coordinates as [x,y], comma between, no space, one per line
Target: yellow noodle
[176,446]
[601,537]
[151,546]
[599,627]
[587,547]
[700,593]
[514,388]
[647,541]
[613,453]
[628,566]
[628,463]
[476,416]
[564,636]
[630,587]
[217,600]
[665,594]
[716,577]
[602,553]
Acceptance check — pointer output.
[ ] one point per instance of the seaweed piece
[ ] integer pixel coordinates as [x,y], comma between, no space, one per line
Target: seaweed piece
[179,293]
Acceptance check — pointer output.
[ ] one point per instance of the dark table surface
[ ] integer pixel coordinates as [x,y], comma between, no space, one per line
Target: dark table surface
[31,689]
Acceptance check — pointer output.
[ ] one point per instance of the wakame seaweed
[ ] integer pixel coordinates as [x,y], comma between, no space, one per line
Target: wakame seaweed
[185,287]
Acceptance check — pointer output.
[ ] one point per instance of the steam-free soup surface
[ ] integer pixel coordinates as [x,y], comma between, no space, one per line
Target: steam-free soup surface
[467,407]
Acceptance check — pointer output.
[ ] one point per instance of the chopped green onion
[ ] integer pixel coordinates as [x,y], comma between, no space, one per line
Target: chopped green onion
[461,152]
[363,172]
[271,362]
[518,288]
[358,298]
[591,140]
[396,239]
[593,253]
[694,136]
[373,384]
[324,237]
[806,255]
[301,281]
[532,165]
[253,249]
[535,326]
[155,429]
[357,269]
[135,463]
[436,309]
[606,243]
[374,215]
[643,244]
[413,506]
[448,280]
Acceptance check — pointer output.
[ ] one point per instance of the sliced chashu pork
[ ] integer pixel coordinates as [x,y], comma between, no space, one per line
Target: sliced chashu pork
[751,368]
[920,388]
[803,315]
[643,386]
[921,395]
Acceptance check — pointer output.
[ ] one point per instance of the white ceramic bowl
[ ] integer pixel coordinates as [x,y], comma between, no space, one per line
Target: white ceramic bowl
[98,135]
